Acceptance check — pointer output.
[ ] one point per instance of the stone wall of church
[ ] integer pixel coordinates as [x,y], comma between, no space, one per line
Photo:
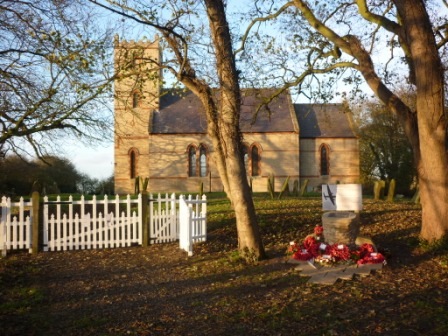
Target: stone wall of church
[136,96]
[166,165]
[343,161]
[279,157]
[164,159]
[124,184]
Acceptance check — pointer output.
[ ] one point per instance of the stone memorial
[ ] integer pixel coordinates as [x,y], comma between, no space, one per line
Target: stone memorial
[335,250]
[341,223]
[341,227]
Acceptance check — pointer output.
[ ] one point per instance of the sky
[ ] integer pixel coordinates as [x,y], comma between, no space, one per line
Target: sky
[96,162]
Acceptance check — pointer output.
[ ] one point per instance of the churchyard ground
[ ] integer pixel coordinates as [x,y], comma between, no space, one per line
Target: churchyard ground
[158,290]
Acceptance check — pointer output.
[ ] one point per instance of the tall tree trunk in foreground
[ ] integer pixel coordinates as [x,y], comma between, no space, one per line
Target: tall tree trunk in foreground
[223,124]
[432,120]
[427,128]
[227,135]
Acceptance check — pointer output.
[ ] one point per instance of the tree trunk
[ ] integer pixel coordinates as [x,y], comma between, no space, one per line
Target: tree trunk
[426,129]
[211,111]
[228,134]
[432,168]
[228,158]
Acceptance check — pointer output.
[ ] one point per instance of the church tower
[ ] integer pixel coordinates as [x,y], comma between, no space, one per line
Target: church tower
[137,90]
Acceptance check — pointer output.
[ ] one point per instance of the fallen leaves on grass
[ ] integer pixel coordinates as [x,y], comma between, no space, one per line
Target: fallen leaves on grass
[160,291]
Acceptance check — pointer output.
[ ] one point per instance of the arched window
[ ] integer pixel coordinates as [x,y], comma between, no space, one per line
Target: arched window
[192,161]
[135,99]
[202,161]
[324,160]
[132,163]
[246,158]
[255,158]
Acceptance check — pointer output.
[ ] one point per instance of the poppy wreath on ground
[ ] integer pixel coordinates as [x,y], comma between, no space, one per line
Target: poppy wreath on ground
[318,230]
[339,252]
[298,252]
[311,245]
[312,249]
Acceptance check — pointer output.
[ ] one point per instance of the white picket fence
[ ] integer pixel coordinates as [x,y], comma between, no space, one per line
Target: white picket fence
[111,223]
[193,212]
[68,225]
[15,225]
[184,219]
[164,223]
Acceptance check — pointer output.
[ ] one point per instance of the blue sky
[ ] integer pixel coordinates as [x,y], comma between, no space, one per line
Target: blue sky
[96,161]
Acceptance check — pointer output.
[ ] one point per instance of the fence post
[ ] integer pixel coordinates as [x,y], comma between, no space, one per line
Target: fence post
[185,226]
[204,220]
[3,226]
[36,222]
[145,220]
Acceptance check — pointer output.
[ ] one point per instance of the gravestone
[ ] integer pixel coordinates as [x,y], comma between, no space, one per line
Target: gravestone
[391,191]
[378,189]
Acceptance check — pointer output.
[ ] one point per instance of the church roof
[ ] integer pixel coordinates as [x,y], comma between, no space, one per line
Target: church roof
[182,112]
[323,121]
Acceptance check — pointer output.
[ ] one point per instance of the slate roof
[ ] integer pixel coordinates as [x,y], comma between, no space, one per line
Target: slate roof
[182,112]
[323,121]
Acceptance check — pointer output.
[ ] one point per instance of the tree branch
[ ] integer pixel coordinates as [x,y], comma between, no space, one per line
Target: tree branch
[380,20]
[259,20]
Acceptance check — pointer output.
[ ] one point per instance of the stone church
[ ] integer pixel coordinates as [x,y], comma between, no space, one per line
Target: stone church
[162,134]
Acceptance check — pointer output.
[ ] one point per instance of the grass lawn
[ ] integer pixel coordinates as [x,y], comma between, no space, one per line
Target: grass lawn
[160,291]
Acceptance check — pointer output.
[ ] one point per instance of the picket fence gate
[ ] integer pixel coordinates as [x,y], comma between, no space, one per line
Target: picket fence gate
[169,214]
[104,223]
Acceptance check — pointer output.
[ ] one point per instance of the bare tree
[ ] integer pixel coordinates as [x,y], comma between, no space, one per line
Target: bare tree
[201,56]
[53,74]
[338,35]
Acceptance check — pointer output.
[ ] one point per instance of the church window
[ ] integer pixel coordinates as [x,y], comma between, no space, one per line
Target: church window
[133,163]
[255,160]
[324,160]
[202,161]
[135,99]
[246,159]
[192,161]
